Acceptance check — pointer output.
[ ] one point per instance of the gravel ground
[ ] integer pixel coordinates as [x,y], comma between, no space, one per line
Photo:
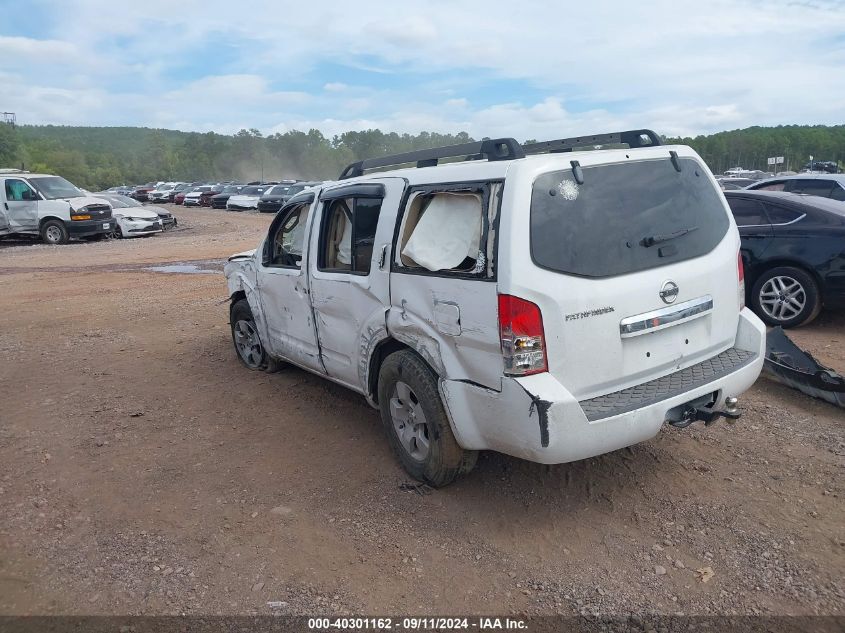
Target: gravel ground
[143,470]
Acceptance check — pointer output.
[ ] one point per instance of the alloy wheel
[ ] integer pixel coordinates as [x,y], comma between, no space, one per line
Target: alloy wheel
[783,298]
[409,422]
[248,343]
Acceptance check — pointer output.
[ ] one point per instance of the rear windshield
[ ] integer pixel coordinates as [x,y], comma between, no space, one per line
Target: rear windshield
[624,218]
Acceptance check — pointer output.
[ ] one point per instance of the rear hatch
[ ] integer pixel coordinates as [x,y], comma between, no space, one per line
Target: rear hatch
[634,267]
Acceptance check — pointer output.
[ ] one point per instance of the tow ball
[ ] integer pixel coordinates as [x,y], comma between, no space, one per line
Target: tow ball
[708,414]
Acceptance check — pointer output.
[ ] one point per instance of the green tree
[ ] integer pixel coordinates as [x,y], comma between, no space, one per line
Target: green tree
[8,145]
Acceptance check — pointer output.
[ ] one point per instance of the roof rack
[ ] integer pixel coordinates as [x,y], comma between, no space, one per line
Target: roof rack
[491,149]
[501,149]
[631,138]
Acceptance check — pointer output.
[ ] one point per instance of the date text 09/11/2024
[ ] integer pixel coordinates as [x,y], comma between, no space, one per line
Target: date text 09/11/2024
[415,624]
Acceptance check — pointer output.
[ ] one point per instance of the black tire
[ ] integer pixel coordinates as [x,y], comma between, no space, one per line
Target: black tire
[444,460]
[250,352]
[54,232]
[805,290]
[117,233]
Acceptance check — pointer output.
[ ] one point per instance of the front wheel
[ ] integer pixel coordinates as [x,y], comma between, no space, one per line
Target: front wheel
[245,337]
[416,423]
[786,296]
[54,232]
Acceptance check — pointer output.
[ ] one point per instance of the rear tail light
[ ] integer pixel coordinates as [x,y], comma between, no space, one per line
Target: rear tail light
[521,333]
[741,273]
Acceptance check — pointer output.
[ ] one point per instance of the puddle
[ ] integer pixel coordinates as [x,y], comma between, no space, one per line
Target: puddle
[195,267]
[191,269]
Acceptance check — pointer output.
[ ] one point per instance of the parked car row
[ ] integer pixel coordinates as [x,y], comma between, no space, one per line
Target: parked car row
[50,207]
[264,197]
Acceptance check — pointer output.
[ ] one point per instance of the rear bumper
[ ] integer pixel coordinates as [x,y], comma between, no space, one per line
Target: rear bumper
[87,228]
[537,419]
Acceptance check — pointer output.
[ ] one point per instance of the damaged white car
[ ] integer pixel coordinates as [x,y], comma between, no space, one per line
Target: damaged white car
[544,302]
[50,207]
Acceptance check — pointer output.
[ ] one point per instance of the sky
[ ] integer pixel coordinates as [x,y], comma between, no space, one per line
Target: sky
[521,68]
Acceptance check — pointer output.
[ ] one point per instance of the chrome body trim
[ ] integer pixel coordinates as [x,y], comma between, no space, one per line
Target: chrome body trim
[665,317]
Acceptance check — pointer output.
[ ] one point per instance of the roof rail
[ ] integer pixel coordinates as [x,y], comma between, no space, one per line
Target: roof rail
[631,138]
[491,149]
[11,170]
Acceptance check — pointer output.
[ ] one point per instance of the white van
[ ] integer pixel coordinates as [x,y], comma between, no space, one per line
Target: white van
[546,303]
[50,207]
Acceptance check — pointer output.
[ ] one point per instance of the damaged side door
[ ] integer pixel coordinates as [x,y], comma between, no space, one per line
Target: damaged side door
[348,273]
[443,280]
[283,287]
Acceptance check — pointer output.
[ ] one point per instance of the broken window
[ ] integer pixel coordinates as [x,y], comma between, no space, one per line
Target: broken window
[449,231]
[348,234]
[289,238]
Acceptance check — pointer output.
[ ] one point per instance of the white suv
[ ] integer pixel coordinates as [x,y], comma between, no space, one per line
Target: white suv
[534,300]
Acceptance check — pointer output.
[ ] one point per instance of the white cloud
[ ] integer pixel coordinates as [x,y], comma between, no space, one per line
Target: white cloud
[26,50]
[680,67]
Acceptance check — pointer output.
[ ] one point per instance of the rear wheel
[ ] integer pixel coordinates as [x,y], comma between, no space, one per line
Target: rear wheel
[786,296]
[416,423]
[54,232]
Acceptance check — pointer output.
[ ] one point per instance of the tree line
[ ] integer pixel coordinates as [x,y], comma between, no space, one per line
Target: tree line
[100,157]
[752,147]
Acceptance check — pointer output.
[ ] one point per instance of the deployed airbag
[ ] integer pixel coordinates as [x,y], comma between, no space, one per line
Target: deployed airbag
[448,232]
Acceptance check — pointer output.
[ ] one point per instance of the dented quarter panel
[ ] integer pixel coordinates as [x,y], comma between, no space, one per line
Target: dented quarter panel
[474,354]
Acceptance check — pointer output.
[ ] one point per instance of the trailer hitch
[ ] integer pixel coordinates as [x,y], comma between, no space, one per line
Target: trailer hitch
[708,414]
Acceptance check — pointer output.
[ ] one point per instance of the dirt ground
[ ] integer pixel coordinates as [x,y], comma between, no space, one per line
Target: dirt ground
[143,470]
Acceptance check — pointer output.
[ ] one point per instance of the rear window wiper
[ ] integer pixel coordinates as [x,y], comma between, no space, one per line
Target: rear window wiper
[651,240]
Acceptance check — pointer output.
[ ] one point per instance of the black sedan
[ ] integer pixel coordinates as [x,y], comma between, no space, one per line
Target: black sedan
[218,201]
[793,249]
[276,198]
[273,198]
